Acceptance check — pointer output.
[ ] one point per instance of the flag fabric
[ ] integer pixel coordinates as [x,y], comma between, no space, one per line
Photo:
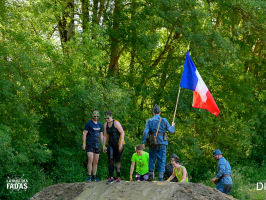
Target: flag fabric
[192,80]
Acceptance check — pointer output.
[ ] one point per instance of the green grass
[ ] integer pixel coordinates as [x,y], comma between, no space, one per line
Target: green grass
[245,180]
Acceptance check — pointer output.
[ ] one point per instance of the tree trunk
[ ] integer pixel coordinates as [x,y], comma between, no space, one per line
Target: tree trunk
[100,13]
[85,14]
[95,11]
[114,37]
[133,45]
[66,23]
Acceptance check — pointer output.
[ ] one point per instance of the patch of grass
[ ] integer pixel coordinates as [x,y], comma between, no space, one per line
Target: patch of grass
[245,180]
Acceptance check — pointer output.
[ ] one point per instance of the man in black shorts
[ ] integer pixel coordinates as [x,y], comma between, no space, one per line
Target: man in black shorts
[92,134]
[114,135]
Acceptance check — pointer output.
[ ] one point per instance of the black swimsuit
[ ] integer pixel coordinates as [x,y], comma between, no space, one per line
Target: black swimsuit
[114,155]
[113,134]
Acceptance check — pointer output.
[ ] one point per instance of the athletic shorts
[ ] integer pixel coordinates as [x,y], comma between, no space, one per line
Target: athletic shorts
[93,148]
[144,177]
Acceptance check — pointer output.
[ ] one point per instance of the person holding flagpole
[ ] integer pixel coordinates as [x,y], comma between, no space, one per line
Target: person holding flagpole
[155,130]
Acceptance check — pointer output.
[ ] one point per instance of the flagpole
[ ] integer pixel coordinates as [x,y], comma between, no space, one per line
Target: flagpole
[176,102]
[178,95]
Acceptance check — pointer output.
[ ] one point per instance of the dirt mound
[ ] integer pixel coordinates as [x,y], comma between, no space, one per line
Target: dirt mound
[130,191]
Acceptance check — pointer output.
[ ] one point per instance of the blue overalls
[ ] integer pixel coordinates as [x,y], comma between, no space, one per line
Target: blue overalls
[159,151]
[224,169]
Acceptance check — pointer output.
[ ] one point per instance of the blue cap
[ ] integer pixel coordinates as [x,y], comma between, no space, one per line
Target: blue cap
[217,152]
[156,109]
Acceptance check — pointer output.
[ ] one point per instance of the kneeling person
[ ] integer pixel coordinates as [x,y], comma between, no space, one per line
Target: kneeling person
[141,158]
[179,171]
[169,169]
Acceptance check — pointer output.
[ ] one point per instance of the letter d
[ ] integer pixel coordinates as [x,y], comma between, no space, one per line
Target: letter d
[260,185]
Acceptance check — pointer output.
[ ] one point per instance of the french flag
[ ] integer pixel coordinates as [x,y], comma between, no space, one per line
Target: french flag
[192,80]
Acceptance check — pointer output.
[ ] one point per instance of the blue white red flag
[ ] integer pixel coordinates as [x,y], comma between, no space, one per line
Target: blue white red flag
[192,80]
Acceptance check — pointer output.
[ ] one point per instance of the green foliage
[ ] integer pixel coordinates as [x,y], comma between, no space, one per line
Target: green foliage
[126,57]
[245,179]
[67,167]
[245,182]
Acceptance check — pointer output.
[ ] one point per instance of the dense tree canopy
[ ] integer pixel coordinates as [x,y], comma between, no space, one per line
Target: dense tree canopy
[60,59]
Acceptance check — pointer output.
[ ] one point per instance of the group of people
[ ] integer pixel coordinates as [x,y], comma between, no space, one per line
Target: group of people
[178,173]
[111,136]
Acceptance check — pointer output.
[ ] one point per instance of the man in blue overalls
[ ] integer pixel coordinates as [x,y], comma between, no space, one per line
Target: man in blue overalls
[157,150]
[223,177]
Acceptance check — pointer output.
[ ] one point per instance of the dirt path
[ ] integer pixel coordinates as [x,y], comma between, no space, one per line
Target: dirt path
[130,191]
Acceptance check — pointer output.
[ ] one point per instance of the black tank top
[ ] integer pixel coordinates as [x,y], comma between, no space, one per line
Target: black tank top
[113,134]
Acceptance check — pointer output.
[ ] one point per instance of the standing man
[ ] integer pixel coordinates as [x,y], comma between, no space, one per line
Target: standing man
[155,130]
[92,133]
[141,159]
[223,177]
[114,135]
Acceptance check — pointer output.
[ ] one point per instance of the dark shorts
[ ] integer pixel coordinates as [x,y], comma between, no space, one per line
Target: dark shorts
[114,154]
[93,148]
[144,177]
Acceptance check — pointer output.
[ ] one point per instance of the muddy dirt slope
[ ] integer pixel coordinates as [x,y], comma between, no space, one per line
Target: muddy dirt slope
[130,191]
